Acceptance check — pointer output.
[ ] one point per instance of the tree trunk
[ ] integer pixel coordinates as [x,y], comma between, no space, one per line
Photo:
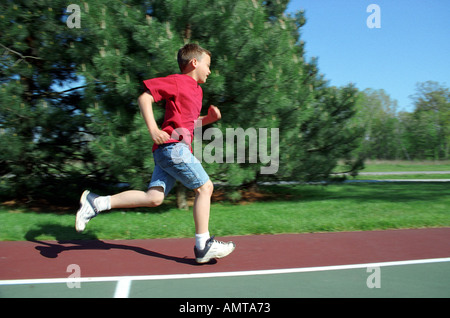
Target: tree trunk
[181,197]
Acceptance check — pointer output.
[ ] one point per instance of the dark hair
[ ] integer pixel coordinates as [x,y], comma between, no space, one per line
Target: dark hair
[189,52]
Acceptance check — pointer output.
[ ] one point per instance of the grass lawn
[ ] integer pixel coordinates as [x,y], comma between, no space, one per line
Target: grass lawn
[290,209]
[400,165]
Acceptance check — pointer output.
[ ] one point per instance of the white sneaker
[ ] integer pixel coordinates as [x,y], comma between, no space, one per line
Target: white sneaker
[213,249]
[86,211]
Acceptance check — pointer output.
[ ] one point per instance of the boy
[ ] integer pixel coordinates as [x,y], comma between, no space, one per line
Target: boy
[172,151]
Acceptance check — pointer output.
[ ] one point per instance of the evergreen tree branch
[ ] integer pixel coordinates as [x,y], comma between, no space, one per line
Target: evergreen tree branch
[22,57]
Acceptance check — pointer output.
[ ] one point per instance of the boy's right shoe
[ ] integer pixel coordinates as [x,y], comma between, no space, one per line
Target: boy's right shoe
[213,249]
[86,211]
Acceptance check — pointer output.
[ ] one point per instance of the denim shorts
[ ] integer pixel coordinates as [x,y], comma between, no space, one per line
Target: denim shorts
[174,161]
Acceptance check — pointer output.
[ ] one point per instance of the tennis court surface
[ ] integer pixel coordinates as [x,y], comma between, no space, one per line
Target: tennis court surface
[389,264]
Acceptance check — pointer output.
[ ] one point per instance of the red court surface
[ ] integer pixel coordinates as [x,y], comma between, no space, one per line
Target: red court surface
[101,258]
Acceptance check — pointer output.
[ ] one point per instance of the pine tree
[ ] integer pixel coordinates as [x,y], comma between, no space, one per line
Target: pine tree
[42,136]
[69,114]
[260,79]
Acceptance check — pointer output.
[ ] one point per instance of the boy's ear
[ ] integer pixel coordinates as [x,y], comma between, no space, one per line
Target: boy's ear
[194,62]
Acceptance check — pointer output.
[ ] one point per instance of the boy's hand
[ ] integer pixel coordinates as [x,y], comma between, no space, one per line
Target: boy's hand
[214,113]
[159,136]
[213,116]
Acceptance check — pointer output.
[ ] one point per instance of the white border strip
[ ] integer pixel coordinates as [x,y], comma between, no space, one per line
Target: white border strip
[122,288]
[124,282]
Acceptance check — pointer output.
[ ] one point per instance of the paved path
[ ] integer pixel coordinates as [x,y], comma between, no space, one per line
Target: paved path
[399,173]
[402,173]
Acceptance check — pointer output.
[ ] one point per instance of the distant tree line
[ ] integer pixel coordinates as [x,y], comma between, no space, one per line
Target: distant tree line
[423,134]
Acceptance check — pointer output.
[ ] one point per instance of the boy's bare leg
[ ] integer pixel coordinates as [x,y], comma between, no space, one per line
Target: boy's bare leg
[202,206]
[91,204]
[134,199]
[206,248]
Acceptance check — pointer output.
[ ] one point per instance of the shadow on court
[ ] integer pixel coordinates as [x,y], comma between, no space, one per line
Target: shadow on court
[88,241]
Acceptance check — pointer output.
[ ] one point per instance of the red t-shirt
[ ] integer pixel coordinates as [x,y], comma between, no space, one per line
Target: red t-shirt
[183,97]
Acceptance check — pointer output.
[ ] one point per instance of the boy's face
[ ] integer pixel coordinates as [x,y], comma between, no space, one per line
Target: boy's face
[202,70]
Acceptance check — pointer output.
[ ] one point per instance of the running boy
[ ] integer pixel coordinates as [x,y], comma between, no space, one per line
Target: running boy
[172,151]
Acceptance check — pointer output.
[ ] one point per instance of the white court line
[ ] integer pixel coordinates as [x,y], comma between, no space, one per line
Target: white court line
[122,280]
[122,288]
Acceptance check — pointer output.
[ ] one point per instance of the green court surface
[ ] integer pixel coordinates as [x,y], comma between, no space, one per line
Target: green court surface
[409,279]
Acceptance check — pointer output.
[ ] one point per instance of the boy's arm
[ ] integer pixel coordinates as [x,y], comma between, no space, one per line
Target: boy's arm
[213,116]
[145,102]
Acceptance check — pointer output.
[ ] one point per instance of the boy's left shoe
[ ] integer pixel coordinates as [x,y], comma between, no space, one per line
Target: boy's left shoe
[87,210]
[213,249]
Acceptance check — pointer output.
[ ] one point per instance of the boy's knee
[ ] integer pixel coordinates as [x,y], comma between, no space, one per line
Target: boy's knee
[154,202]
[155,198]
[207,188]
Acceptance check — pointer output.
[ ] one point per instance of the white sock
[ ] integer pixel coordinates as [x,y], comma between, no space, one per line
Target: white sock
[200,240]
[103,203]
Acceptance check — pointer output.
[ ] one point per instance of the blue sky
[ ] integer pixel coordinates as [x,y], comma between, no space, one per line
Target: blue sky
[412,45]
